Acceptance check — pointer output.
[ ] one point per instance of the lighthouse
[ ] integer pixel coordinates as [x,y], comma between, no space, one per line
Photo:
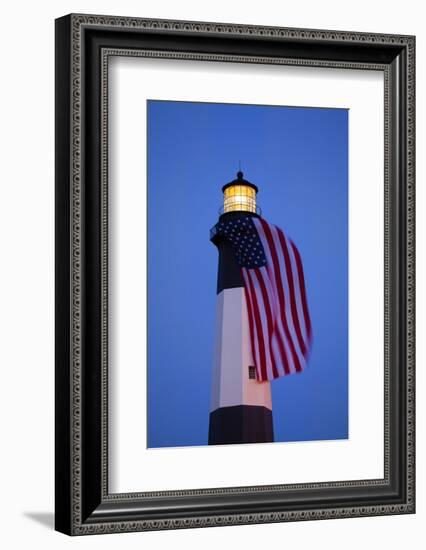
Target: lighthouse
[241,405]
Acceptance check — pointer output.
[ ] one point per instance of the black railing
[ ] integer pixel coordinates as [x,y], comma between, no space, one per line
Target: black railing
[256,210]
[213,232]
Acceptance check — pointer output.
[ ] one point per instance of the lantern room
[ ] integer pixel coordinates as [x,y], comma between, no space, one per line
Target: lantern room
[239,195]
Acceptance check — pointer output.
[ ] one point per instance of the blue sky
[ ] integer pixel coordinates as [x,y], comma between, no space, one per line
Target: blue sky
[298,158]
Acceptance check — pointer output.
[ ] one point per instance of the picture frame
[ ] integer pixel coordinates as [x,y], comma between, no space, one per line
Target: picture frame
[83,503]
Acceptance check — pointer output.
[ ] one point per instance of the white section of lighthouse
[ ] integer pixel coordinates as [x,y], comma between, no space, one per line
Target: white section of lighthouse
[241,406]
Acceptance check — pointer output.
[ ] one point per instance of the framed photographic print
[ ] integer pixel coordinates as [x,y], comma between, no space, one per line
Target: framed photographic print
[234,274]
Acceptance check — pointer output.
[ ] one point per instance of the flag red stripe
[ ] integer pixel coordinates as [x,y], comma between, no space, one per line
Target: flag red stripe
[251,321]
[283,353]
[289,272]
[258,325]
[278,285]
[282,300]
[262,308]
[270,320]
[302,289]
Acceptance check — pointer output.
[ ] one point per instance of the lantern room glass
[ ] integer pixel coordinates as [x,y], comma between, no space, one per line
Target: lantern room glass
[239,198]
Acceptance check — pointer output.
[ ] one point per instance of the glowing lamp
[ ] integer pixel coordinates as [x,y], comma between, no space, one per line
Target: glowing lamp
[239,195]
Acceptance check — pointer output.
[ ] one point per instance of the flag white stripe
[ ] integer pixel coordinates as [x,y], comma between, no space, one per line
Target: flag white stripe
[284,283]
[277,332]
[298,293]
[263,318]
[279,325]
[255,340]
[277,353]
[279,316]
[288,296]
[279,277]
[258,331]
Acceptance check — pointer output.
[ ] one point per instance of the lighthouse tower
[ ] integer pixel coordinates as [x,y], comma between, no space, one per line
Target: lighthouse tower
[241,406]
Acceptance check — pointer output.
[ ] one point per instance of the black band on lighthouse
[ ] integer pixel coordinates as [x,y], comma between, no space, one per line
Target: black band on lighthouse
[241,424]
[229,271]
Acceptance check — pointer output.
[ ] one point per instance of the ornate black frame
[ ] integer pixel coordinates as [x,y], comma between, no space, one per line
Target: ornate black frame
[83,45]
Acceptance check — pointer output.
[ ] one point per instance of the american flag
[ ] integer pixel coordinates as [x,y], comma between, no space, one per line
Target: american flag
[280,326]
